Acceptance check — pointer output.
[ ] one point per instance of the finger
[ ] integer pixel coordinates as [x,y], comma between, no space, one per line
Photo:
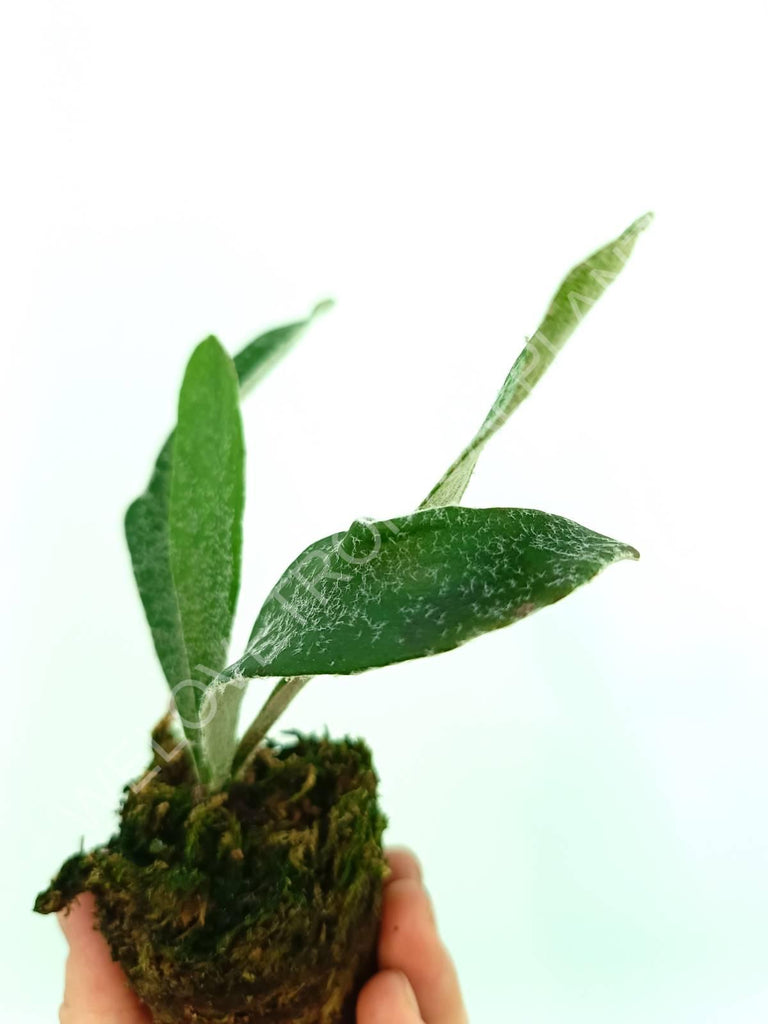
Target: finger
[388,999]
[95,990]
[409,942]
[403,863]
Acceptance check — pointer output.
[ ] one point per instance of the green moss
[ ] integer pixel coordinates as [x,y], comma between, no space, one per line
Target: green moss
[257,903]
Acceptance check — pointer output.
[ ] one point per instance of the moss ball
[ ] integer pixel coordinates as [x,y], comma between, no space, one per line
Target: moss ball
[258,903]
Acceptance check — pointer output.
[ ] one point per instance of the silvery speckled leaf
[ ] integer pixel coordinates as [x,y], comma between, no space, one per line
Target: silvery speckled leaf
[385,592]
[579,291]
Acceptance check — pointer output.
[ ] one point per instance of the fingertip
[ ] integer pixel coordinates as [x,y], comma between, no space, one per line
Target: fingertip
[407,896]
[388,998]
[95,986]
[409,942]
[403,863]
[77,917]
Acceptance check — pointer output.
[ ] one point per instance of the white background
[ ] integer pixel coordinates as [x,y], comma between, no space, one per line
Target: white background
[586,790]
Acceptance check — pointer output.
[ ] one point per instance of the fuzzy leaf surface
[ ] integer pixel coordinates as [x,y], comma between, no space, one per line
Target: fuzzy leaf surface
[385,592]
[579,291]
[205,514]
[146,521]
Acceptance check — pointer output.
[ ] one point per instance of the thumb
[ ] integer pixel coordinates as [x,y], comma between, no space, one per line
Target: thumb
[388,998]
[95,988]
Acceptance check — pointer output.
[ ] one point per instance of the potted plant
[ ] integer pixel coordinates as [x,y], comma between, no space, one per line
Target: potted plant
[244,881]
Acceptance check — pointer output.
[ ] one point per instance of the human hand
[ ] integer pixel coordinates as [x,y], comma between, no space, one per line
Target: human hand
[416,982]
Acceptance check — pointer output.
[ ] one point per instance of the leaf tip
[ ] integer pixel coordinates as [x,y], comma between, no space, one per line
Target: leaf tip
[631,553]
[641,223]
[321,307]
[209,344]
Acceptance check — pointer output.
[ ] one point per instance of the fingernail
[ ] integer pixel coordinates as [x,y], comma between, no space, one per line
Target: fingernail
[408,993]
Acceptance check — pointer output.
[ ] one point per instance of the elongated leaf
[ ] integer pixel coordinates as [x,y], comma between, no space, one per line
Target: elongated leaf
[146,521]
[256,360]
[146,530]
[205,517]
[580,290]
[386,592]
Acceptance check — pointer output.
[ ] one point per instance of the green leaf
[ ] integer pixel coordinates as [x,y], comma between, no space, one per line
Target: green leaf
[205,519]
[146,521]
[255,361]
[580,290]
[146,530]
[386,592]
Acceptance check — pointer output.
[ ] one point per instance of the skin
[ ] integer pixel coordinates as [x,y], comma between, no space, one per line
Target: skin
[416,982]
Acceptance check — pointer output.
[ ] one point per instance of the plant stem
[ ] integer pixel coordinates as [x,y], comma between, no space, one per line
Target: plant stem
[276,703]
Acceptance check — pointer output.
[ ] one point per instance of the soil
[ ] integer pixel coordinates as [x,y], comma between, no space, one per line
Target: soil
[258,904]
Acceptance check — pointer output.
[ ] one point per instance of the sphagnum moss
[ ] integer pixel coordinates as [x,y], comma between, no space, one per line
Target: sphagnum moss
[244,883]
[258,903]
